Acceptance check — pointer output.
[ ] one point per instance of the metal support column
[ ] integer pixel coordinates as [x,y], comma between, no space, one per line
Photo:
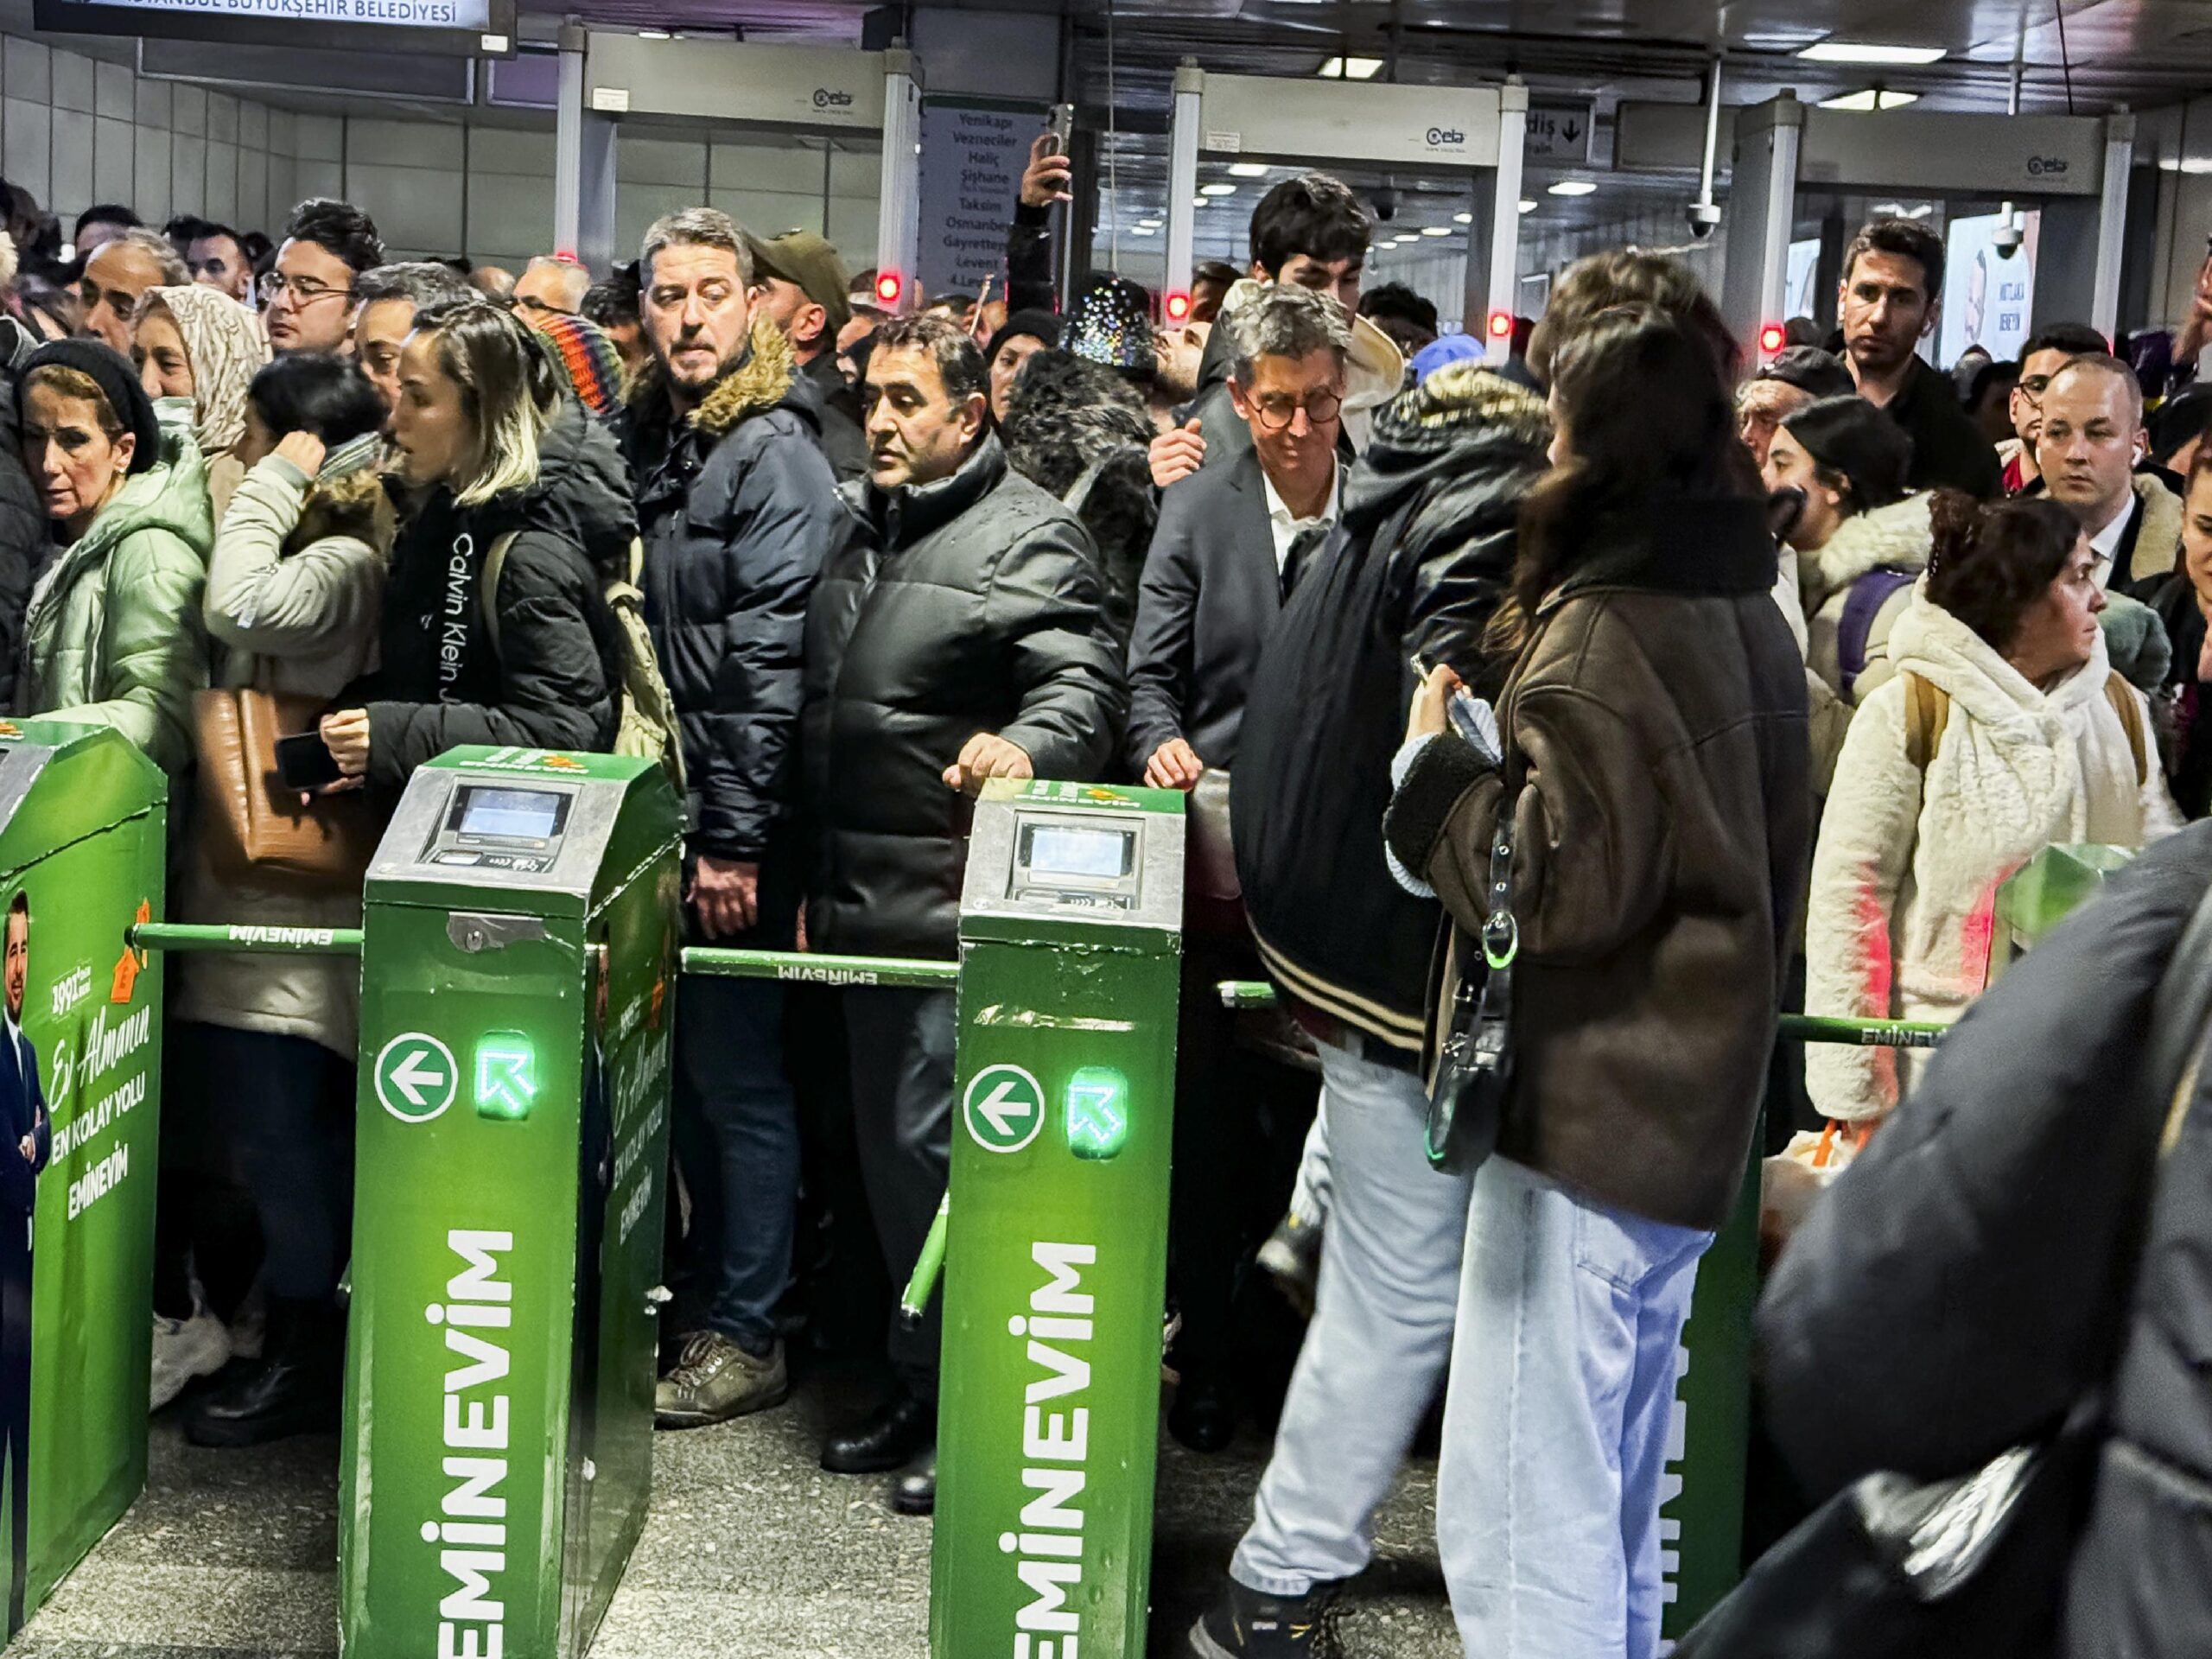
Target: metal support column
[898,233]
[1762,209]
[2112,223]
[1505,221]
[1182,177]
[568,142]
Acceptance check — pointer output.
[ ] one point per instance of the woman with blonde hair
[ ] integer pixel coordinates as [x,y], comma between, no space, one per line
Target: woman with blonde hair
[521,492]
[198,344]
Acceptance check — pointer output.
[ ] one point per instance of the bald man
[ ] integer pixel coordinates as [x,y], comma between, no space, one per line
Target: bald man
[2090,444]
[119,273]
[552,286]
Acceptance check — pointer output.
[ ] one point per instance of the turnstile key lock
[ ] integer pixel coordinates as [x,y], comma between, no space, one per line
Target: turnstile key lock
[656,1299]
[591,1469]
[475,932]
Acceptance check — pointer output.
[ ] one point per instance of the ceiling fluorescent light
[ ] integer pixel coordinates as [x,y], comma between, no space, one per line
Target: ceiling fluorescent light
[1248,169]
[1874,97]
[1351,69]
[654,34]
[1216,189]
[1527,206]
[1870,51]
[1573,188]
[1463,219]
[1436,229]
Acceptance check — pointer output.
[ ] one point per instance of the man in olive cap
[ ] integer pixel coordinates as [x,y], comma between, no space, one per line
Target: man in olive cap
[801,284]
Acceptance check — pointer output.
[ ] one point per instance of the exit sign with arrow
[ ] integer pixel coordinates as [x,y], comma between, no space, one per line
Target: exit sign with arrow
[1559,130]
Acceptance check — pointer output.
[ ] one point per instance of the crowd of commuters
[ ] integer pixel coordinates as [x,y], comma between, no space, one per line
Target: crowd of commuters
[1593,708]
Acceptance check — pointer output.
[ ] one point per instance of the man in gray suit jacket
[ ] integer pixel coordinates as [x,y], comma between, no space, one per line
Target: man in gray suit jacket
[1220,561]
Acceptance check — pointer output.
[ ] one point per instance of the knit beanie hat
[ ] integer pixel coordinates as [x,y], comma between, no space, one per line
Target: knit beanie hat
[119,385]
[1037,325]
[587,357]
[1851,437]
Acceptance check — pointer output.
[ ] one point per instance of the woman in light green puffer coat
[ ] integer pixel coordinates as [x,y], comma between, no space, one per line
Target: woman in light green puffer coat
[114,635]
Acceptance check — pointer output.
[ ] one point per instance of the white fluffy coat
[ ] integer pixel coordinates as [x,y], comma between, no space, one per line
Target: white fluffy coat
[1906,869]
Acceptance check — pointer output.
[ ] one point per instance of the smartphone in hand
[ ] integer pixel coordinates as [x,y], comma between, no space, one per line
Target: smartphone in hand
[305,762]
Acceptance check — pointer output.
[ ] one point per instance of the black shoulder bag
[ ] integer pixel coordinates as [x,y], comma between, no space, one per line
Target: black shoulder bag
[1474,1064]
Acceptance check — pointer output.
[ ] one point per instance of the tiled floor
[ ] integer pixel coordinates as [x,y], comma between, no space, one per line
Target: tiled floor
[750,1551]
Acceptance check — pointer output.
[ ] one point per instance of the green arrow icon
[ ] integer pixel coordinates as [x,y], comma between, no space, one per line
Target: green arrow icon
[1004,1108]
[506,1075]
[416,1076]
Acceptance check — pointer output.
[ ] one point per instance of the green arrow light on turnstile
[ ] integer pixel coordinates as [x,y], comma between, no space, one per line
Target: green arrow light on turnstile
[1097,1112]
[506,1074]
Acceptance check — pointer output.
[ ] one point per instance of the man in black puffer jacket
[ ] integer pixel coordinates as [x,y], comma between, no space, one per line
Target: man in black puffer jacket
[738,509]
[550,678]
[959,635]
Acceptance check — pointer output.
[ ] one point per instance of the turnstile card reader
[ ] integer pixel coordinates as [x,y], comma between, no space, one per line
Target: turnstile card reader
[83,849]
[520,933]
[1048,1421]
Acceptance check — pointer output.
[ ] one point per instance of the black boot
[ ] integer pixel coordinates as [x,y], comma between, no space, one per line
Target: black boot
[296,1389]
[900,1431]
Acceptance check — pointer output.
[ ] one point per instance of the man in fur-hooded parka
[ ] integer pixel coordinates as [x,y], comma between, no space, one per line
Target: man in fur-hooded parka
[738,510]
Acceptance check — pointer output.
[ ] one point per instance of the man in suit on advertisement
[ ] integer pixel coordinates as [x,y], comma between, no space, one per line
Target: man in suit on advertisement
[28,1132]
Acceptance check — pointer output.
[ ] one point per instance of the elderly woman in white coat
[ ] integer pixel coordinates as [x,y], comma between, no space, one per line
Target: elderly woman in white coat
[2004,731]
[294,603]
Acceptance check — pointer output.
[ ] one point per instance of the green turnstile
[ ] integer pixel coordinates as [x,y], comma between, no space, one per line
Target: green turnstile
[519,939]
[2044,891]
[82,846]
[1063,1107]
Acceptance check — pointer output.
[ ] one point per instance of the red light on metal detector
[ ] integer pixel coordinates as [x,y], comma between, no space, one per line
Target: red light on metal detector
[1771,338]
[1178,307]
[888,287]
[1501,324]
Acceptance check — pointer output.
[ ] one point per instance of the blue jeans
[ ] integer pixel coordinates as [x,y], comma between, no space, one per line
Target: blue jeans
[736,1131]
[293,1141]
[1555,1424]
[1382,1331]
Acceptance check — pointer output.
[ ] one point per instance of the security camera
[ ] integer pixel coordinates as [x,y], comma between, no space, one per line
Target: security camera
[1703,216]
[2006,238]
[1386,203]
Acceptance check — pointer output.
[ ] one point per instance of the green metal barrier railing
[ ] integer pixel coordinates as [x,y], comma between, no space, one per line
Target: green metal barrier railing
[801,968]
[245,940]
[1805,1028]
[807,969]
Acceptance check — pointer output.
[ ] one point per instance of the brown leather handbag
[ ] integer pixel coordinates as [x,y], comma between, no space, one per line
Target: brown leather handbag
[251,826]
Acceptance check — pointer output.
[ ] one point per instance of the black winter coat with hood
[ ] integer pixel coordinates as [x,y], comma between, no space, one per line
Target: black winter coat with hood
[1416,567]
[1975,1271]
[739,509]
[22,513]
[555,678]
[974,604]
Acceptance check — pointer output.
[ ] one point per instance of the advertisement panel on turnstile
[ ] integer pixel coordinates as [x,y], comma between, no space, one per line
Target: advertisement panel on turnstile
[83,843]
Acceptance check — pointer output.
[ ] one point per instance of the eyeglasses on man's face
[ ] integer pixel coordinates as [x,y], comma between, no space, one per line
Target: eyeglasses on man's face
[1276,414]
[303,290]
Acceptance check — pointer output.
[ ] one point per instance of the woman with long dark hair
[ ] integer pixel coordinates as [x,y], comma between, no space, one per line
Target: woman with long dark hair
[1652,773]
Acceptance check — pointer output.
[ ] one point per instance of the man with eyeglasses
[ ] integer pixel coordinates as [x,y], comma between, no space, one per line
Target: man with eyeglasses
[310,298]
[2047,350]
[551,285]
[1221,561]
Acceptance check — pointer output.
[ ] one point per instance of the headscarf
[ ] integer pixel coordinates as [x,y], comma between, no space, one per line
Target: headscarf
[226,348]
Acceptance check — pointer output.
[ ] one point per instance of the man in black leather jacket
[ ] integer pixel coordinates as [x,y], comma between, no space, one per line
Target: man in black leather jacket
[959,635]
